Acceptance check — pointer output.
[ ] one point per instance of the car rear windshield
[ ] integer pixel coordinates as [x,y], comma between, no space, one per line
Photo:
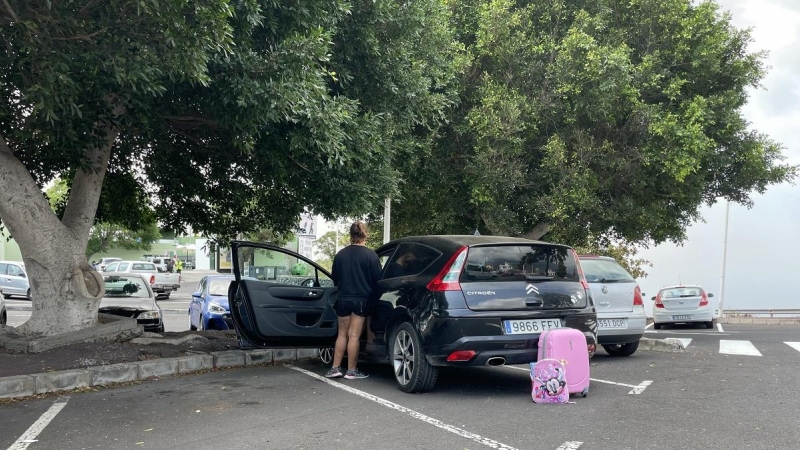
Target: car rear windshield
[681,292]
[598,270]
[536,262]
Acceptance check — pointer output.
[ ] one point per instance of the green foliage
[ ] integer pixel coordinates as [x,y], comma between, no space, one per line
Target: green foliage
[592,118]
[327,243]
[233,117]
[106,236]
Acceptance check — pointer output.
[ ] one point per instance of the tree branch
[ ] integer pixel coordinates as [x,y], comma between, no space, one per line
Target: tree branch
[10,11]
[537,232]
[191,121]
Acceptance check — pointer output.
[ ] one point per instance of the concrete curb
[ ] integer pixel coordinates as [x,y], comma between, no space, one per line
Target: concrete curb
[109,328]
[40,383]
[661,345]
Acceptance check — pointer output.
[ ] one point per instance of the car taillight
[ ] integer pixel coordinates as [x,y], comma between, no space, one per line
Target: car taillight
[704,299]
[152,279]
[658,301]
[461,355]
[637,297]
[447,278]
[584,283]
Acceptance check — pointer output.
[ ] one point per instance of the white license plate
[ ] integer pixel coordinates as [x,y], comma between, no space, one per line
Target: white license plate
[681,317]
[612,324]
[530,326]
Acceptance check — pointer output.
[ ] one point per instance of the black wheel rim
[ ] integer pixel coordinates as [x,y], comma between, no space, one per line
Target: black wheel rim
[403,357]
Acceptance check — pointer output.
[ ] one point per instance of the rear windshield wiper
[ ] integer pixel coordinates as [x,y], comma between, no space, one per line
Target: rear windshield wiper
[611,280]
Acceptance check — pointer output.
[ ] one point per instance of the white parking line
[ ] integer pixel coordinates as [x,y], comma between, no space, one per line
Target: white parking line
[29,436]
[648,325]
[570,445]
[637,388]
[738,348]
[794,345]
[391,405]
[640,388]
[719,327]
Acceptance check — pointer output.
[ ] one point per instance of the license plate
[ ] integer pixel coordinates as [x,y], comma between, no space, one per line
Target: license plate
[681,317]
[612,324]
[530,326]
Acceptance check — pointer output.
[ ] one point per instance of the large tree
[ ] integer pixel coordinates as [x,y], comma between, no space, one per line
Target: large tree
[601,119]
[232,116]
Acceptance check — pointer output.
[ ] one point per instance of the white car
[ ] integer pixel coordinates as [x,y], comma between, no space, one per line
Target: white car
[621,319]
[682,304]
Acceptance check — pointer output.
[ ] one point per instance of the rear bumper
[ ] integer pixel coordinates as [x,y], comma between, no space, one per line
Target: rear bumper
[702,315]
[485,337]
[632,333]
[165,287]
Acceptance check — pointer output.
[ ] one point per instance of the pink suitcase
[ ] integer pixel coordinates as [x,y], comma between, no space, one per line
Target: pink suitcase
[568,344]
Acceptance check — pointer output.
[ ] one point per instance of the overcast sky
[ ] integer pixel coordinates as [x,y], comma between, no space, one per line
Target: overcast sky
[763,242]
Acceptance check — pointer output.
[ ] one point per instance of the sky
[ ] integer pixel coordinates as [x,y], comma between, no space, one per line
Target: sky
[763,242]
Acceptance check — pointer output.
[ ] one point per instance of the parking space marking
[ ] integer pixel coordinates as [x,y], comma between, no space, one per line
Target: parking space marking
[684,341]
[794,345]
[640,388]
[29,436]
[570,445]
[745,348]
[637,388]
[648,325]
[417,415]
[719,327]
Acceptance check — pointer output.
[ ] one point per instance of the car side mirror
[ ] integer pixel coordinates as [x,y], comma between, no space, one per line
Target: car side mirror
[653,298]
[22,275]
[710,295]
[196,294]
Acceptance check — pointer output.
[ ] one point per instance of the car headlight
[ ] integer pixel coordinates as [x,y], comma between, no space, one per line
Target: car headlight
[149,315]
[216,308]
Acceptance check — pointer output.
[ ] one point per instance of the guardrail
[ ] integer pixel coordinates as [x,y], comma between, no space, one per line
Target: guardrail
[760,312]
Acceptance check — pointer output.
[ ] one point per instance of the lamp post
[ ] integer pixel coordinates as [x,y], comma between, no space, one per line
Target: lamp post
[724,261]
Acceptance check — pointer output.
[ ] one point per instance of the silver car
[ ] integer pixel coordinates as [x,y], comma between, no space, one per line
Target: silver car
[14,279]
[682,304]
[618,300]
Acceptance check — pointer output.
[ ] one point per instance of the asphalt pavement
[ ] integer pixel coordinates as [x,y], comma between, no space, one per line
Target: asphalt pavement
[700,399]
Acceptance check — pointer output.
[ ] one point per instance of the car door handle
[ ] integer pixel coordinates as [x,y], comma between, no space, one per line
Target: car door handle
[312,294]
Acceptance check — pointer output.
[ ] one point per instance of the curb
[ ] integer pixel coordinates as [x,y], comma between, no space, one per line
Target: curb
[41,383]
[668,345]
[28,308]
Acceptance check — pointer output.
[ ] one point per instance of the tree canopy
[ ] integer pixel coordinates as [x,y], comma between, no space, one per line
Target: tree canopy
[601,119]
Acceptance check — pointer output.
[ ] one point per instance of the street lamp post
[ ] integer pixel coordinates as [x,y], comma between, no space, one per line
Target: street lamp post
[724,261]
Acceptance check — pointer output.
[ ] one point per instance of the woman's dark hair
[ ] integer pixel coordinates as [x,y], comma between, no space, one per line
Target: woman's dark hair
[358,233]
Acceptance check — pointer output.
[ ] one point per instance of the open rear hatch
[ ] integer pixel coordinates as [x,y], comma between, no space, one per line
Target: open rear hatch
[509,277]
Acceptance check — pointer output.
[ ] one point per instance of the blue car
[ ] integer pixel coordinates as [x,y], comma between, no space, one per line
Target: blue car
[209,308]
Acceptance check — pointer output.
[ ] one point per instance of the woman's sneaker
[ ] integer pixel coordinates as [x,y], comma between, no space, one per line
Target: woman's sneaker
[355,374]
[335,372]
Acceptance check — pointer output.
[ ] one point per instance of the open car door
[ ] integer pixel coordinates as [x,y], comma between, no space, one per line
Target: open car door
[280,298]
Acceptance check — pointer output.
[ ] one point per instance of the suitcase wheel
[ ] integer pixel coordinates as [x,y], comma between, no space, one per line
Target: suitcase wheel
[585,393]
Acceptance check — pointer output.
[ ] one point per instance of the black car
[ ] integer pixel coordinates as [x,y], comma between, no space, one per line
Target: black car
[442,301]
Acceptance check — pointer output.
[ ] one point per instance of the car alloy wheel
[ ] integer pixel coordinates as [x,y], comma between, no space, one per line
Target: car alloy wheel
[325,355]
[411,369]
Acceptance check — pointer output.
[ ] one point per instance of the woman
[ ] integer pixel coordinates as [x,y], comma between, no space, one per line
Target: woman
[356,270]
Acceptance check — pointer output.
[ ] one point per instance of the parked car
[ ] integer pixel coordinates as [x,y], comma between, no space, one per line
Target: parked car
[14,279]
[130,295]
[159,261]
[162,283]
[435,314]
[104,262]
[209,308]
[3,313]
[682,304]
[621,319]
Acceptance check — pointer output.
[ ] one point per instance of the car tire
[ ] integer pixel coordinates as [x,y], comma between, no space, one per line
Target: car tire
[621,349]
[161,329]
[325,355]
[657,326]
[3,318]
[710,324]
[28,294]
[412,371]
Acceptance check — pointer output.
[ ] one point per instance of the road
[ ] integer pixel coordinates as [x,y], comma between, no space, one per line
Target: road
[700,399]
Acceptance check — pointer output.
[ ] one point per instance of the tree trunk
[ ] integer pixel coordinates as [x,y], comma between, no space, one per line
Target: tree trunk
[537,232]
[65,290]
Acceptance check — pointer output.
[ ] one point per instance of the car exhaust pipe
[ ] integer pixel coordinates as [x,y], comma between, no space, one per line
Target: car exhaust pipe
[496,361]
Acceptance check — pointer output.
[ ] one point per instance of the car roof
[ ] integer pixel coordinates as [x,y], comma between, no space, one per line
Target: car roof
[134,262]
[607,258]
[455,240]
[676,286]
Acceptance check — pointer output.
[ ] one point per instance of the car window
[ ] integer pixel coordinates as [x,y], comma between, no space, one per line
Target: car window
[122,286]
[201,286]
[409,259]
[3,268]
[681,292]
[599,270]
[123,267]
[111,267]
[279,267]
[219,287]
[14,270]
[520,263]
